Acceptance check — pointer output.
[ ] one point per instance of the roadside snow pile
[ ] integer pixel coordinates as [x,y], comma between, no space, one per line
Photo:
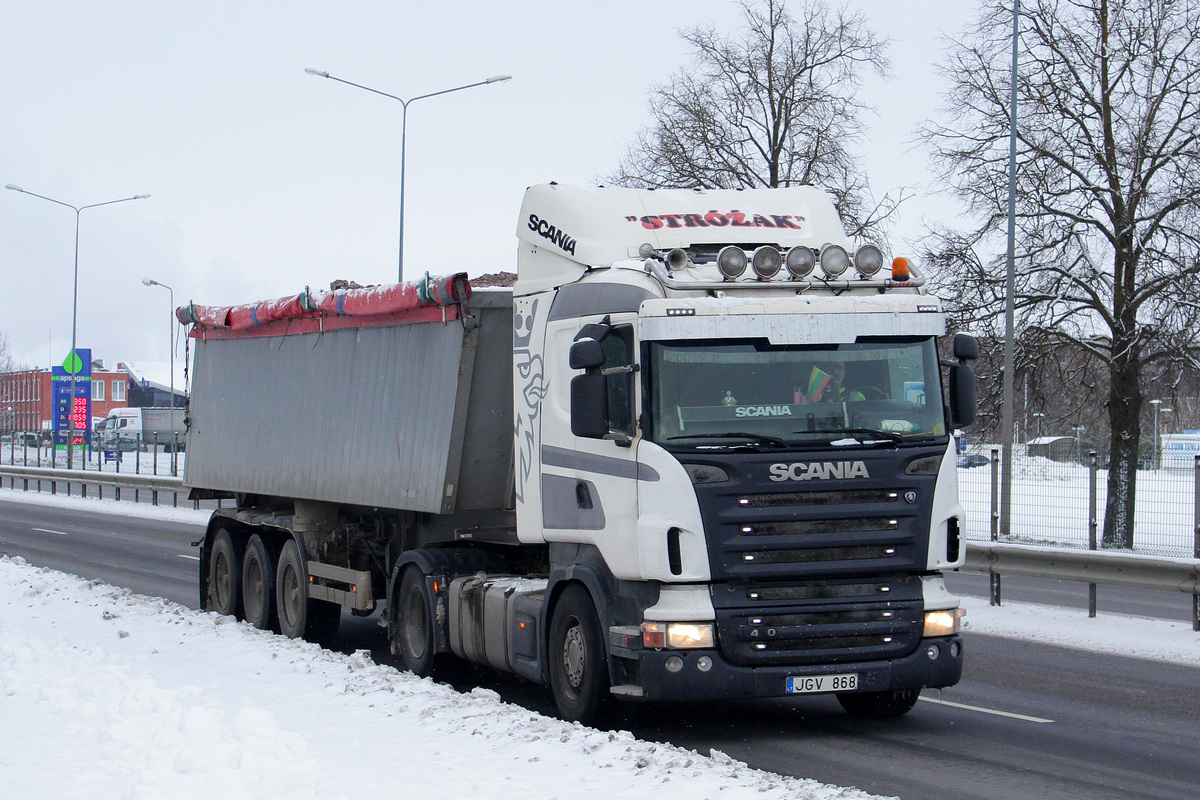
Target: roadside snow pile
[118,508]
[1119,634]
[106,693]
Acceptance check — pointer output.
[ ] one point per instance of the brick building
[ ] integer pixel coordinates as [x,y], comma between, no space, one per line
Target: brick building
[27,399]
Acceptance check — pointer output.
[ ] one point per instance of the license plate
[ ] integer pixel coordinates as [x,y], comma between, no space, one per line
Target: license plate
[811,684]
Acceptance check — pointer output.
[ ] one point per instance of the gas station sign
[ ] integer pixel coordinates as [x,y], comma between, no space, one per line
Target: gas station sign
[78,407]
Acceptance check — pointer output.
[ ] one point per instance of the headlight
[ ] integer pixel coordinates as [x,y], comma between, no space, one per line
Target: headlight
[943,623]
[677,635]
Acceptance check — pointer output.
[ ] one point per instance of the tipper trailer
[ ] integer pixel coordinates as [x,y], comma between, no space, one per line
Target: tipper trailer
[699,450]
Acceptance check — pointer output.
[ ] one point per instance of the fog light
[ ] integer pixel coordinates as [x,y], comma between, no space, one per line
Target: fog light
[704,663]
[954,649]
[933,651]
[674,664]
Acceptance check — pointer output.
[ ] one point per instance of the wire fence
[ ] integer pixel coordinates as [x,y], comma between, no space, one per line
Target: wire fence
[149,455]
[1054,502]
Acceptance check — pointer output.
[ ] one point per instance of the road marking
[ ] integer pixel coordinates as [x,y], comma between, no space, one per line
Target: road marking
[987,711]
[191,558]
[56,533]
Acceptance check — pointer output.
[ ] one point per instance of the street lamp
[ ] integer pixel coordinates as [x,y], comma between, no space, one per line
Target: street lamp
[403,129]
[170,331]
[1039,415]
[74,302]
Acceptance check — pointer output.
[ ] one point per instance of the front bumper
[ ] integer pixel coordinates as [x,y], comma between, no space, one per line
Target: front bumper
[724,681]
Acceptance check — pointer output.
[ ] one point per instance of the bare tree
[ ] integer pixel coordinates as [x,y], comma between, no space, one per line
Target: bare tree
[7,388]
[772,105]
[1108,252]
[7,362]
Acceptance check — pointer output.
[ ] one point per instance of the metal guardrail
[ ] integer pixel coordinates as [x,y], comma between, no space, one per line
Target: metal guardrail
[995,558]
[1088,566]
[114,480]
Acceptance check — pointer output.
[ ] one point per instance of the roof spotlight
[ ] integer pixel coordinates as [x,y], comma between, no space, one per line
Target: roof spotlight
[800,261]
[731,261]
[834,260]
[766,262]
[868,260]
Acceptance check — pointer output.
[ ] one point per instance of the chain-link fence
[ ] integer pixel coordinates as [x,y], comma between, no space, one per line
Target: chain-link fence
[1053,499]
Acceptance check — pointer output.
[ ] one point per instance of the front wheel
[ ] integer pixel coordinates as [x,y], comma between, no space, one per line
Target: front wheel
[412,625]
[299,616]
[879,705]
[577,661]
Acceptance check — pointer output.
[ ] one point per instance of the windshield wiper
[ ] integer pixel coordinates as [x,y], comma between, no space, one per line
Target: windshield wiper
[754,437]
[863,435]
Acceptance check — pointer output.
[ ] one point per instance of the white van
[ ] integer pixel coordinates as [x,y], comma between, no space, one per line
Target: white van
[137,428]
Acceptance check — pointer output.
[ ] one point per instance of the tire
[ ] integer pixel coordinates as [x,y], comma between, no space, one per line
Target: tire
[301,617]
[879,705]
[225,576]
[258,585]
[578,664]
[412,625]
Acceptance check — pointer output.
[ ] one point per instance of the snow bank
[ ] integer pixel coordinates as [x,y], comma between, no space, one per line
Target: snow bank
[120,508]
[1119,634]
[106,693]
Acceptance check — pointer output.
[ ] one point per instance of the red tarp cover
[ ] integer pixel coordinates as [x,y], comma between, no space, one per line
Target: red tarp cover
[388,304]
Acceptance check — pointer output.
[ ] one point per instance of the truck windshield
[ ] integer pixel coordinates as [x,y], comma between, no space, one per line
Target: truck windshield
[715,394]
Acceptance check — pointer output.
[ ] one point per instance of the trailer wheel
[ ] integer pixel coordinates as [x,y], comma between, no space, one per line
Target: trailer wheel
[258,584]
[225,576]
[879,705]
[412,625]
[301,617]
[577,662]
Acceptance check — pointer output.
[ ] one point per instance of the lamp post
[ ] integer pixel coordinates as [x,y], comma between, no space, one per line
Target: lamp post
[74,302]
[403,129]
[1039,415]
[1010,283]
[170,331]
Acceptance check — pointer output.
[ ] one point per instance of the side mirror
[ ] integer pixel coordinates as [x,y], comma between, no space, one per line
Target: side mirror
[966,347]
[589,403]
[586,354]
[962,392]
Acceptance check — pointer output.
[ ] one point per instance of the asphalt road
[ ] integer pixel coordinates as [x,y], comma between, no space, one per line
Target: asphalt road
[1027,721]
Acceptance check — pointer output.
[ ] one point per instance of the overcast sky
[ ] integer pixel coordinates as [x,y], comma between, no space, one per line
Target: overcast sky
[265,179]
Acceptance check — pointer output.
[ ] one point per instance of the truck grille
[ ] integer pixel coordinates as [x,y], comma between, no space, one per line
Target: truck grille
[759,530]
[818,622]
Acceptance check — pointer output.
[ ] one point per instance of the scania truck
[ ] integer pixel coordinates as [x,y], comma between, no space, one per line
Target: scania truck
[701,449]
